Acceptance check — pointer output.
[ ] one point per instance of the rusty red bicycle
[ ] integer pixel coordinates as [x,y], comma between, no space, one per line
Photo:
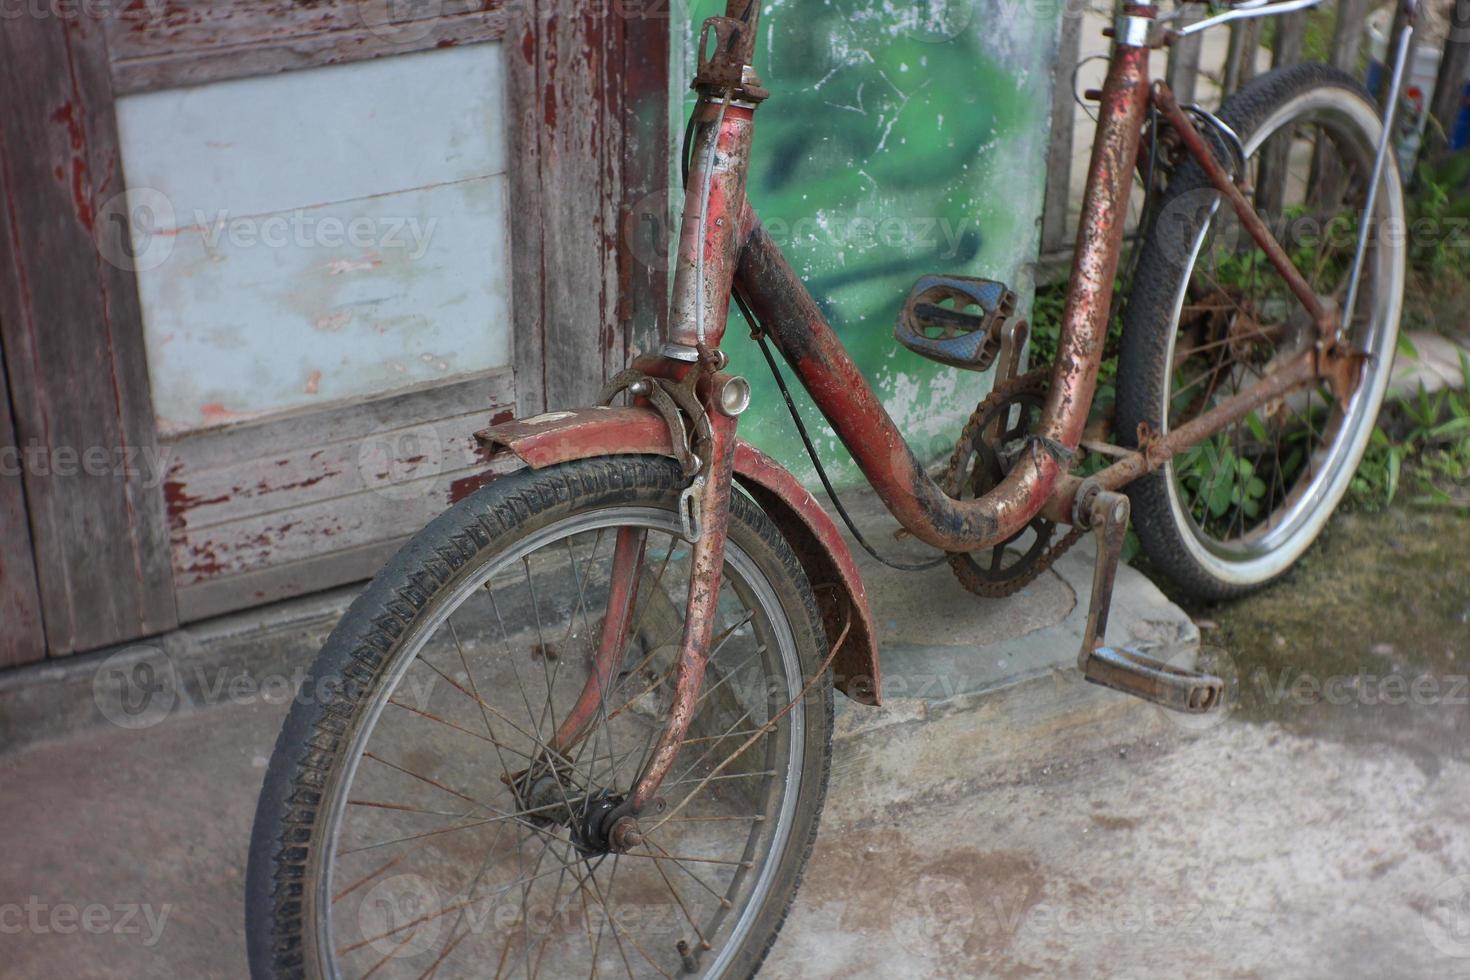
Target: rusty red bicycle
[581,724]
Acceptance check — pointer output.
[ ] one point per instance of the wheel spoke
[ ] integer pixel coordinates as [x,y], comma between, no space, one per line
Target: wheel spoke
[417,808]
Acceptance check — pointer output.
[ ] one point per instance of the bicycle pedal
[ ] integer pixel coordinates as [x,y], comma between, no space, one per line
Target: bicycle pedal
[956,320]
[1121,668]
[1127,670]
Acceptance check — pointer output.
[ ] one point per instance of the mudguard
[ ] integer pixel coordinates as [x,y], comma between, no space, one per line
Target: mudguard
[556,437]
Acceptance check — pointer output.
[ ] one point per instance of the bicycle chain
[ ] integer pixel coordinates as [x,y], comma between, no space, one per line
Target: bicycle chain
[971,576]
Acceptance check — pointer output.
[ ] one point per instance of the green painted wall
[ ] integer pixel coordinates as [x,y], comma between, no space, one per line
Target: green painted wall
[901,138]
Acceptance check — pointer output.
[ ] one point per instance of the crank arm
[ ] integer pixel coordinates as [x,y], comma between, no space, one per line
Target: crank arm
[1122,668]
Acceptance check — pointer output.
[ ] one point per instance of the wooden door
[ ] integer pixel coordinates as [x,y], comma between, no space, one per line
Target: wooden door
[307,410]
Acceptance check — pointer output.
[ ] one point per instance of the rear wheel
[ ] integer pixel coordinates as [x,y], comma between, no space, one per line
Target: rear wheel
[421,816]
[1208,317]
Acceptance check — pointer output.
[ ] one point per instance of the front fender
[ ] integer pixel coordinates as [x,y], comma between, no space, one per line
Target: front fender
[557,437]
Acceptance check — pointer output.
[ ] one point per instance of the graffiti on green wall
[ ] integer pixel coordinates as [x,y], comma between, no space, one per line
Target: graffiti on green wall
[900,139]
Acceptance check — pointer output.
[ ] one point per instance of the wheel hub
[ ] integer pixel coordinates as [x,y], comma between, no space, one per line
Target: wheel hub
[592,827]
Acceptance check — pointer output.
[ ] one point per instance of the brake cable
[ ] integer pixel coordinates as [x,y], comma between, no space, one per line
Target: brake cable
[759,333]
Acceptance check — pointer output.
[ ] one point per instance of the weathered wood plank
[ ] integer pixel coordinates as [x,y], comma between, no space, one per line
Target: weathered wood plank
[253,505]
[486,394]
[266,540]
[230,474]
[1291,32]
[566,114]
[528,197]
[1240,59]
[22,638]
[645,211]
[1401,21]
[72,333]
[214,597]
[225,50]
[1059,147]
[151,29]
[589,138]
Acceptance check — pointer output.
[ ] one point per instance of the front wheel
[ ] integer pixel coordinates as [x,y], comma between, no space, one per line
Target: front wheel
[424,813]
[1208,317]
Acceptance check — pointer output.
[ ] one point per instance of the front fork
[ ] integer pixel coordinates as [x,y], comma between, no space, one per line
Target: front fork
[689,361]
[701,609]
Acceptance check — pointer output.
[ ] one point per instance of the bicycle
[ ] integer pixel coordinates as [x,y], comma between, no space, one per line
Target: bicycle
[581,724]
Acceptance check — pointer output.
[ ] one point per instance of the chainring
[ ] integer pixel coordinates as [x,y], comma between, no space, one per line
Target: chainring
[991,441]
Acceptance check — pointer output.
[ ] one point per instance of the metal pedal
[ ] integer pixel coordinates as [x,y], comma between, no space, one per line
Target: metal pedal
[1121,668]
[1131,672]
[956,320]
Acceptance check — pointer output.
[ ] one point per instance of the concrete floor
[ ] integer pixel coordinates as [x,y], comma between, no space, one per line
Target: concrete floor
[1010,821]
[1047,830]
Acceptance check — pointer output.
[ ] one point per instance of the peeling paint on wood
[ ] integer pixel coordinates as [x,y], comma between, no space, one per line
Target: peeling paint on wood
[189,42]
[582,169]
[252,504]
[69,320]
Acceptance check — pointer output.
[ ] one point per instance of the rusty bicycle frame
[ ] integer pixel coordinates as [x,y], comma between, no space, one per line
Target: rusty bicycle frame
[685,406]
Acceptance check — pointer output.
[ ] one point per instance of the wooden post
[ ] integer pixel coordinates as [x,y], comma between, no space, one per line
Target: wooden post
[1347,55]
[1347,34]
[1271,182]
[1059,149]
[1449,86]
[1240,62]
[73,338]
[1183,67]
[1291,31]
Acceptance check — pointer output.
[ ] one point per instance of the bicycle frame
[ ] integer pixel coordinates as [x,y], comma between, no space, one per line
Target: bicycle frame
[723,248]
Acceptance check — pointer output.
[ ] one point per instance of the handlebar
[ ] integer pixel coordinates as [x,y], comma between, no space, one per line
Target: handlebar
[1244,11]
